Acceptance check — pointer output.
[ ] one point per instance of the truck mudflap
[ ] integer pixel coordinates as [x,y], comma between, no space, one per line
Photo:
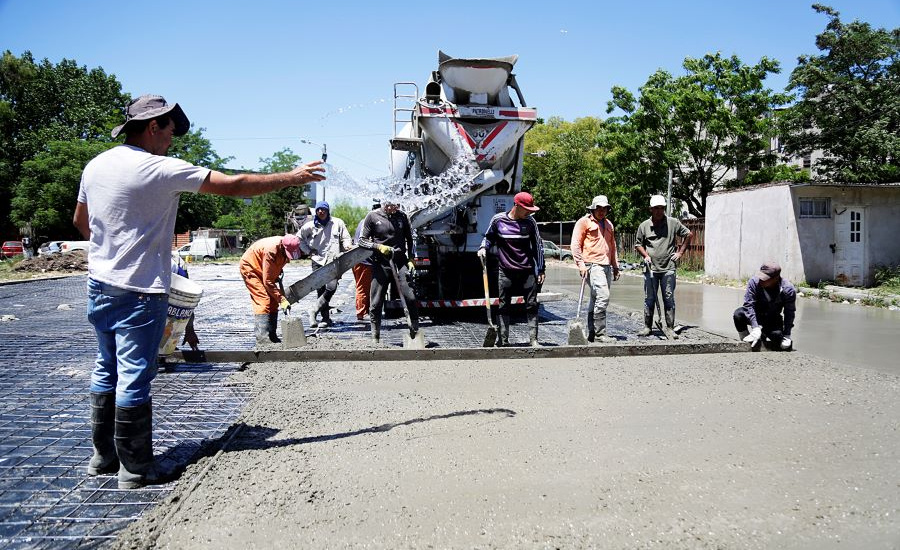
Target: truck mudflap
[474,302]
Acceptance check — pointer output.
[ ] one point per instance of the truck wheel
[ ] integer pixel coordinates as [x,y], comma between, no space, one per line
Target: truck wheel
[205,258]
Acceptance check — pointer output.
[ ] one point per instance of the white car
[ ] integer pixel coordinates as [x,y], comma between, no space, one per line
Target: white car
[50,247]
[71,246]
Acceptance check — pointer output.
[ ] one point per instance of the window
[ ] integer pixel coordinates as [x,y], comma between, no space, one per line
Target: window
[807,162]
[855,226]
[815,208]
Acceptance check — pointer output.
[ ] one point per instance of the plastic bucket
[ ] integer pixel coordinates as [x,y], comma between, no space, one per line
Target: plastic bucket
[184,295]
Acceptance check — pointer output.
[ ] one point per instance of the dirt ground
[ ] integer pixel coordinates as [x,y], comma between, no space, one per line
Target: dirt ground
[758,450]
[71,262]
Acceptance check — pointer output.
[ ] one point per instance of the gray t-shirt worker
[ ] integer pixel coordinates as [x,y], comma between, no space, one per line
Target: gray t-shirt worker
[655,241]
[126,207]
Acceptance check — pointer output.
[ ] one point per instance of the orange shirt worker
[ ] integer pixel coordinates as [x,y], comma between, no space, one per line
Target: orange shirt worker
[261,267]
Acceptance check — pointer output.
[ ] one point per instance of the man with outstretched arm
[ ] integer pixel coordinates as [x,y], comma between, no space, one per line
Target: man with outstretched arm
[126,207]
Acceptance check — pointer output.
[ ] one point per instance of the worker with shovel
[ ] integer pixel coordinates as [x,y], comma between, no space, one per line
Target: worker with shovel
[655,242]
[517,241]
[261,267]
[323,238]
[386,230]
[594,250]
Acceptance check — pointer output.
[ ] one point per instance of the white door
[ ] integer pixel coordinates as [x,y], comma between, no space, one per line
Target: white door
[850,246]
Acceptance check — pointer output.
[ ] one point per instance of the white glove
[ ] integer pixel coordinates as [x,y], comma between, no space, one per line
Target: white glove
[482,253]
[786,343]
[754,336]
[647,261]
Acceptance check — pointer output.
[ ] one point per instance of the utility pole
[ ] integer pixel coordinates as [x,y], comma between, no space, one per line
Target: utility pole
[669,195]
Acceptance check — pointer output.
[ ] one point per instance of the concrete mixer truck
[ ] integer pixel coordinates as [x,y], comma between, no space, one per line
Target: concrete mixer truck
[456,159]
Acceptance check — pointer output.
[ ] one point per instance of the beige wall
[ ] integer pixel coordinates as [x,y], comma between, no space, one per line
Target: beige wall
[745,227]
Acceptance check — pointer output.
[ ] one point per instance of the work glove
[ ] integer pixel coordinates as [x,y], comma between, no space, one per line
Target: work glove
[754,336]
[385,250]
[284,306]
[482,253]
[786,343]
[411,267]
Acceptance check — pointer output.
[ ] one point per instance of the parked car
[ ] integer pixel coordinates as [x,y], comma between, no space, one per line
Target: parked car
[72,246]
[50,247]
[201,249]
[553,251]
[12,248]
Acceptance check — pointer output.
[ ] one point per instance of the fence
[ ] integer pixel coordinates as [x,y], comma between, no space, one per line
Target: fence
[561,234]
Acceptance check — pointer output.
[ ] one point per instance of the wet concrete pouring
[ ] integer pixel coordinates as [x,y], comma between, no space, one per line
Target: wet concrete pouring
[710,450]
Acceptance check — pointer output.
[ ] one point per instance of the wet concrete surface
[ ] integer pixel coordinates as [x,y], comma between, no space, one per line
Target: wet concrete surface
[314,415]
[847,333]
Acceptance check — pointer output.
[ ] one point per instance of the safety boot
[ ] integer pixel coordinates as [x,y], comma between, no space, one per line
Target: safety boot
[648,324]
[502,331]
[600,329]
[261,328]
[376,332]
[134,445]
[323,309]
[533,337]
[273,327]
[103,429]
[670,325]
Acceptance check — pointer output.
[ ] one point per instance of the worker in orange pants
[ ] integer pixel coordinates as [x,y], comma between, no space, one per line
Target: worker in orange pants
[261,267]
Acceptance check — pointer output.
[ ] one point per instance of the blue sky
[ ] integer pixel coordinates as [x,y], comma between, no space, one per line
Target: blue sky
[261,75]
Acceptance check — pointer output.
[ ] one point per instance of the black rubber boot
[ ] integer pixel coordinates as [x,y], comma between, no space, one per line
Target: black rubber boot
[376,333]
[273,328]
[134,445]
[532,336]
[670,325]
[502,330]
[648,323]
[261,328]
[103,428]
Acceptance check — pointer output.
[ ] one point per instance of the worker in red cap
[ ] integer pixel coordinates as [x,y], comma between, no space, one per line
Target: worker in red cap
[514,238]
[261,267]
[760,319]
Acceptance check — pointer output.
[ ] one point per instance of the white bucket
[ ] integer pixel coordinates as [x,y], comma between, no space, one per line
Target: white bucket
[184,295]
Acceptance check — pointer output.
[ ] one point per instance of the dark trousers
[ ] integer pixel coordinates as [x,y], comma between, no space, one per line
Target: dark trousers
[324,293]
[381,279]
[512,283]
[772,325]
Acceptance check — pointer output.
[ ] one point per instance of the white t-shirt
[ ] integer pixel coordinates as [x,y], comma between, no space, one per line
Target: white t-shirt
[132,199]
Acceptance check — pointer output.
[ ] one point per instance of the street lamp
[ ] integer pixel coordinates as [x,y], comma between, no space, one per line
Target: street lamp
[324,157]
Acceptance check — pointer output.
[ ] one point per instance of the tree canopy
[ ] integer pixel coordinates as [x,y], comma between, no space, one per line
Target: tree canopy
[850,102]
[703,125]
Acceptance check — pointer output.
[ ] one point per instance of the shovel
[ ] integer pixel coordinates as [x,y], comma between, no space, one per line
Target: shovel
[490,337]
[410,341]
[576,330]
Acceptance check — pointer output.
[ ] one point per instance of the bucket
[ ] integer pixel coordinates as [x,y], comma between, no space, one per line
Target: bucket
[184,295]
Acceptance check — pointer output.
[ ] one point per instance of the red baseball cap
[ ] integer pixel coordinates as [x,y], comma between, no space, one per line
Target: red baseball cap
[526,201]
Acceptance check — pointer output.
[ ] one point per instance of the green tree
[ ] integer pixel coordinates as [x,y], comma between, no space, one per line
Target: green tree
[45,194]
[265,216]
[700,125]
[196,209]
[850,104]
[562,166]
[42,103]
[350,213]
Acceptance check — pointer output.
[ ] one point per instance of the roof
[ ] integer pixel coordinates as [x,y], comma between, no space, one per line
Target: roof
[893,185]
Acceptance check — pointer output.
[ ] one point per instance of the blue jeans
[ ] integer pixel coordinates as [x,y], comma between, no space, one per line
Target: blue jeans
[652,282]
[129,327]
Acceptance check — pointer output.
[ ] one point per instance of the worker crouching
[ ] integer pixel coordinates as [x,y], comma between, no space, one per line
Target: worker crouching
[261,267]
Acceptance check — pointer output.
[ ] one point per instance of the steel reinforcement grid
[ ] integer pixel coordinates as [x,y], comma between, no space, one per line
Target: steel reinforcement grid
[48,346]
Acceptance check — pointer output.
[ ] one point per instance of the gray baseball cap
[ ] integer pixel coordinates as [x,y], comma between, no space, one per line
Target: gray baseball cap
[150,106]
